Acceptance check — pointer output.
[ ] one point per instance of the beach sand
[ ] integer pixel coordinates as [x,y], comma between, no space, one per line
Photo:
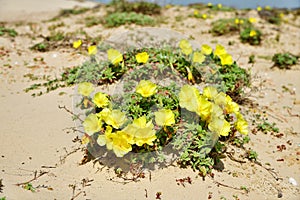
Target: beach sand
[36,136]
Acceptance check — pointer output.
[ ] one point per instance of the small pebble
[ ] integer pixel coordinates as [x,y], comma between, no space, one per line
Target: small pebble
[54,55]
[293,181]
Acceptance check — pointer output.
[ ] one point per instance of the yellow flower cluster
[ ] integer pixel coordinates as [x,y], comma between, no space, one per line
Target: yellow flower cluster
[212,106]
[226,59]
[116,137]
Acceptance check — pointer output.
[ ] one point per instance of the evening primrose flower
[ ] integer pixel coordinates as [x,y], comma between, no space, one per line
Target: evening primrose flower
[206,49]
[210,92]
[115,118]
[114,56]
[77,44]
[120,145]
[198,57]
[85,88]
[252,33]
[219,5]
[190,75]
[231,106]
[100,100]
[91,124]
[252,20]
[164,117]
[220,99]
[188,98]
[258,8]
[142,57]
[185,47]
[268,7]
[241,124]
[92,50]
[204,108]
[107,138]
[226,59]
[219,126]
[209,4]
[236,21]
[204,16]
[146,88]
[196,13]
[219,50]
[142,131]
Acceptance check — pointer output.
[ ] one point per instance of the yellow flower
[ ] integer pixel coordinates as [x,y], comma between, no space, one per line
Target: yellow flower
[118,142]
[241,21]
[77,44]
[92,50]
[107,138]
[115,118]
[100,100]
[216,112]
[91,124]
[120,145]
[210,92]
[185,47]
[236,21]
[220,99]
[188,98]
[196,13]
[219,50]
[85,88]
[146,88]
[281,15]
[209,4]
[204,16]
[114,56]
[104,114]
[219,5]
[241,125]
[164,117]
[252,33]
[190,75]
[252,20]
[258,8]
[231,106]
[206,49]
[226,59]
[219,126]
[268,7]
[142,57]
[198,57]
[204,108]
[142,131]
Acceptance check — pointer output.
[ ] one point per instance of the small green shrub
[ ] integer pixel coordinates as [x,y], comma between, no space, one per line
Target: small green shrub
[284,60]
[122,18]
[8,31]
[146,8]
[251,36]
[225,26]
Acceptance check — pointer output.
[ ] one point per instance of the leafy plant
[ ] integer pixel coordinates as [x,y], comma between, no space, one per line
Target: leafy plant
[28,186]
[8,31]
[284,60]
[121,18]
[143,7]
[226,26]
[251,36]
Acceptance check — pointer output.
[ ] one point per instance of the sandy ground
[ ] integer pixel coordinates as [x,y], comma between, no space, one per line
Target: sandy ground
[36,136]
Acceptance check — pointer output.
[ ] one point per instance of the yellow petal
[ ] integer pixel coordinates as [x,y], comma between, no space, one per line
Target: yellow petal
[164,117]
[210,92]
[85,88]
[146,88]
[226,59]
[185,47]
[188,98]
[92,50]
[91,124]
[219,50]
[142,57]
[114,56]
[198,57]
[100,100]
[116,118]
[206,49]
[77,44]
[219,126]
